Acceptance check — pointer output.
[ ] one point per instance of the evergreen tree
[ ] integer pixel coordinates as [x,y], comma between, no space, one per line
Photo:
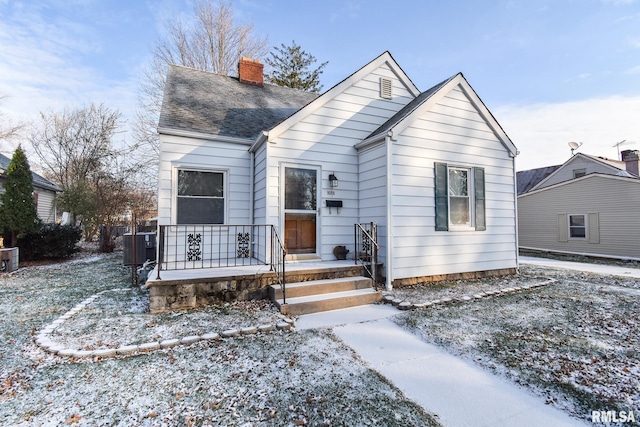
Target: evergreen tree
[291,68]
[18,213]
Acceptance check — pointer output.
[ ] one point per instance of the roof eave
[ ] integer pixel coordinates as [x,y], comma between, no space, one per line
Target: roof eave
[372,140]
[204,135]
[264,136]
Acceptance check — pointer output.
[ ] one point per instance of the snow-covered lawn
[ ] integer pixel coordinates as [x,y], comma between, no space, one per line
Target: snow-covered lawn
[574,342]
[266,379]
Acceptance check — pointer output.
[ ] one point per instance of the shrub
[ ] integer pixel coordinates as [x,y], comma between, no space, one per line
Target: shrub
[50,241]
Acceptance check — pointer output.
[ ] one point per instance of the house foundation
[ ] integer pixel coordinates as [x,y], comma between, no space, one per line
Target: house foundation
[412,281]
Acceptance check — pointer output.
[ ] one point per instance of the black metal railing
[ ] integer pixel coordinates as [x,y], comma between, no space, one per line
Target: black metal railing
[366,244]
[278,254]
[185,247]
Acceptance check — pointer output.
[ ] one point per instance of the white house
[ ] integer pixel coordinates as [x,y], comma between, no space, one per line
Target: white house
[434,169]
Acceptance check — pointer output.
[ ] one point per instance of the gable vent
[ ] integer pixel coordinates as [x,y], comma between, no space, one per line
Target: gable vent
[385,88]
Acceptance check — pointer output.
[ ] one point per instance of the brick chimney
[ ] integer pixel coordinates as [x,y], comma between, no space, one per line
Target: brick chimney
[251,71]
[631,158]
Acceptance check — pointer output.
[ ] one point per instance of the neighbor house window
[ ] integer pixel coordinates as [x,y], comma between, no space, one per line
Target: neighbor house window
[200,197]
[577,226]
[460,197]
[577,173]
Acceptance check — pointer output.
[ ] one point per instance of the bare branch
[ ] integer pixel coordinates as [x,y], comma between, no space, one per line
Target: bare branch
[8,129]
[212,41]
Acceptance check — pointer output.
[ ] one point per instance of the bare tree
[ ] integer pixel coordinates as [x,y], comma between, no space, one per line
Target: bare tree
[211,41]
[8,129]
[76,151]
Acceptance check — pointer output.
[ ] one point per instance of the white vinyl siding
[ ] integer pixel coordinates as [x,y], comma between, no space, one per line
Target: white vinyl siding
[260,186]
[45,205]
[191,153]
[609,204]
[373,193]
[452,132]
[326,138]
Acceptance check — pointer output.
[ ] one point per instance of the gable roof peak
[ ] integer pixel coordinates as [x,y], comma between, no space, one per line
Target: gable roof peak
[384,57]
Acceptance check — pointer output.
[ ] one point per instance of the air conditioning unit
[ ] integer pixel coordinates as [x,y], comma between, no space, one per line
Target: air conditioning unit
[145,248]
[9,258]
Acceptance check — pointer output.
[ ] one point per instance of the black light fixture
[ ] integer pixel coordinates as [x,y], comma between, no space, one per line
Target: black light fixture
[333,180]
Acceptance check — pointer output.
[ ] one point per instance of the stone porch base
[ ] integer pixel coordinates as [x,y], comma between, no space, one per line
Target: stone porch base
[411,281]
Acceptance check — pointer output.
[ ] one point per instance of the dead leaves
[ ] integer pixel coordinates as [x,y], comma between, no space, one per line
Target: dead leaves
[73,419]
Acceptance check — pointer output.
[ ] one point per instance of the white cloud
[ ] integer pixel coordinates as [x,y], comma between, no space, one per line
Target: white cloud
[541,132]
[44,64]
[633,70]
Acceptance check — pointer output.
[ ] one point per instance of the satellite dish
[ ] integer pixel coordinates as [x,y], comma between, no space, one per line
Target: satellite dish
[574,146]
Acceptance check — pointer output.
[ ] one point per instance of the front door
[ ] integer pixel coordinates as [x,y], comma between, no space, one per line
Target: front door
[300,209]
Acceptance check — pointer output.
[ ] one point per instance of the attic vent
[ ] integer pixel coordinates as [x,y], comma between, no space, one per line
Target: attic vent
[385,88]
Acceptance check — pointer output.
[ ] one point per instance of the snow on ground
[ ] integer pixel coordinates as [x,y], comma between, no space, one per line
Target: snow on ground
[271,379]
[574,342]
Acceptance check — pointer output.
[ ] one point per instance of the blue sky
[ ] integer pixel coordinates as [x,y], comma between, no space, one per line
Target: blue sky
[551,71]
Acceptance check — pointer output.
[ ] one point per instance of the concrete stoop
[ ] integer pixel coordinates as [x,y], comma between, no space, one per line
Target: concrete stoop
[323,295]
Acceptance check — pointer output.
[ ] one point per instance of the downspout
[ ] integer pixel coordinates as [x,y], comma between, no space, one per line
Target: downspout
[389,285]
[515,210]
[252,187]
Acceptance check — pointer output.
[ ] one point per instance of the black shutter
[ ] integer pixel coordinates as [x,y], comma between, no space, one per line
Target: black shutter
[478,179]
[442,197]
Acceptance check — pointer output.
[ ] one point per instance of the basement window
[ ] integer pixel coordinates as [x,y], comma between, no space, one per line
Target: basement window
[386,91]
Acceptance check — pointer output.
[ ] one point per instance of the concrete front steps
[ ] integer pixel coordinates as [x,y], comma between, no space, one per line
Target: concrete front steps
[324,295]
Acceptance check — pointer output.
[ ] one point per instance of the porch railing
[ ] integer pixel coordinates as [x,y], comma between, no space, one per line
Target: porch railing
[185,247]
[278,254]
[366,244]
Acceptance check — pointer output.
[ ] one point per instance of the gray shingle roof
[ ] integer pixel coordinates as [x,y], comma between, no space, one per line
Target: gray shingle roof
[38,181]
[204,102]
[530,178]
[407,109]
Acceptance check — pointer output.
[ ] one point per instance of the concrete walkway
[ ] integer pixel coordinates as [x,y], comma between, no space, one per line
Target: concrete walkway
[611,270]
[460,393]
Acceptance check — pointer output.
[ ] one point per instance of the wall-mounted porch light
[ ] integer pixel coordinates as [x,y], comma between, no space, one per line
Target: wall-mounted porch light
[333,180]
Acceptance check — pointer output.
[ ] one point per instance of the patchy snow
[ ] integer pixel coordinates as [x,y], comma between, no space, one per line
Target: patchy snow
[573,342]
[266,379]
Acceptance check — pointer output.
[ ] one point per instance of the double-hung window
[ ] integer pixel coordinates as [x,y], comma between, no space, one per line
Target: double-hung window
[459,193]
[460,200]
[577,227]
[200,197]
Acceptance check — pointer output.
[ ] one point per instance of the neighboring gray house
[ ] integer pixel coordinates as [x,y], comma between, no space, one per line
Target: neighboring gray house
[433,169]
[588,205]
[44,192]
